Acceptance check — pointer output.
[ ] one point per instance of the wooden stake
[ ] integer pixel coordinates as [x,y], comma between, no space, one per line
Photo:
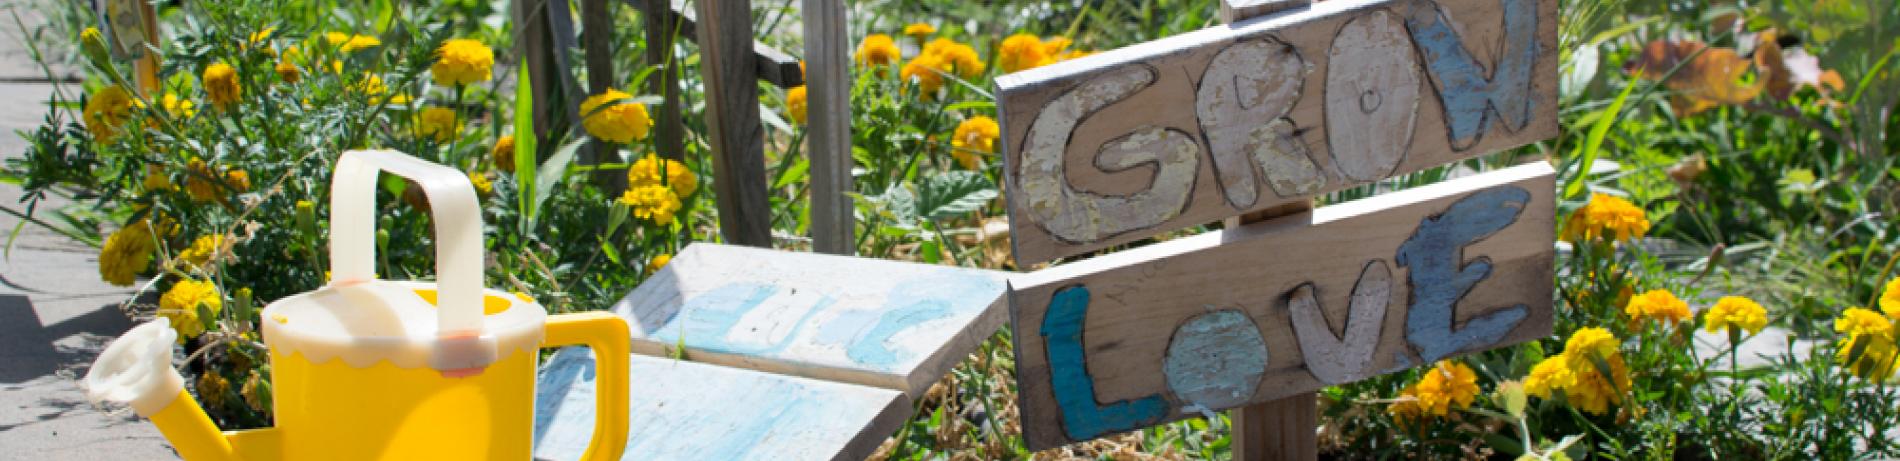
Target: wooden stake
[668,130]
[829,126]
[1282,429]
[597,46]
[732,116]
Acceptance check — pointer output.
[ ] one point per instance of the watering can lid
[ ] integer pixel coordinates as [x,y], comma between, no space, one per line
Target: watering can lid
[364,320]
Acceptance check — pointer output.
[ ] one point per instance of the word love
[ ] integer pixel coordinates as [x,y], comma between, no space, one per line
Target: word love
[1283,108]
[1364,288]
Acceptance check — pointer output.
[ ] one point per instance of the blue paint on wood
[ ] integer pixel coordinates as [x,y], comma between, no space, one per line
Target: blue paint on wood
[706,321]
[1468,95]
[1083,418]
[1439,277]
[871,348]
[1216,359]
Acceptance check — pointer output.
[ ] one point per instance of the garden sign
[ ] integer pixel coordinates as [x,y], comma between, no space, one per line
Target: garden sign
[1259,115]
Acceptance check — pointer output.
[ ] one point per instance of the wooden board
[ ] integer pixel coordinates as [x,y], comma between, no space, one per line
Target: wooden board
[1189,129]
[878,323]
[733,130]
[693,411]
[1258,312]
[828,137]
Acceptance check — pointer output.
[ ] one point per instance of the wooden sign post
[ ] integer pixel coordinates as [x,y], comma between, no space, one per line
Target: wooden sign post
[1258,117]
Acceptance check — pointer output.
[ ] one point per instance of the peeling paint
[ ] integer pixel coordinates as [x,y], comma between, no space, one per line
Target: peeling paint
[1083,417]
[1470,97]
[1288,164]
[1248,84]
[1215,360]
[1371,96]
[1439,277]
[1348,357]
[1077,216]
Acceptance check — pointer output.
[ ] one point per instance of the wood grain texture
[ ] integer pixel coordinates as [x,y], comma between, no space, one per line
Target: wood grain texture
[533,47]
[1232,11]
[732,121]
[1190,129]
[598,53]
[1098,341]
[879,323]
[828,140]
[669,130]
[683,410]
[773,65]
[1280,430]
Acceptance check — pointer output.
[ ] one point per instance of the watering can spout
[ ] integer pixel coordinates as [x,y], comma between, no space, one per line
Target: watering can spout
[136,370]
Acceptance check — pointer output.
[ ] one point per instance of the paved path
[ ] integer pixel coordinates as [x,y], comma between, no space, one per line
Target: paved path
[55,314]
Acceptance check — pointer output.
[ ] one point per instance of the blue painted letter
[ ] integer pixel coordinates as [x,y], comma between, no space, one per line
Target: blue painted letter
[1082,417]
[1462,85]
[1435,254]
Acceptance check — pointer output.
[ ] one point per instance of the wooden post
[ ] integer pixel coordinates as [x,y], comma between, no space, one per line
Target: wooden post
[732,115]
[532,46]
[597,44]
[828,140]
[1281,429]
[668,130]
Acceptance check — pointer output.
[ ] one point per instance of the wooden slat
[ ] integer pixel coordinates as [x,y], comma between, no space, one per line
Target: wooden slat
[682,410]
[1280,430]
[732,121]
[1232,11]
[773,65]
[1187,130]
[1263,311]
[597,46]
[828,142]
[669,131]
[531,40]
[879,323]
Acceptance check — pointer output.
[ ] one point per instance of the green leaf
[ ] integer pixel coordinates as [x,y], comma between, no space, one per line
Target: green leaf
[953,193]
[524,148]
[1594,143]
[553,170]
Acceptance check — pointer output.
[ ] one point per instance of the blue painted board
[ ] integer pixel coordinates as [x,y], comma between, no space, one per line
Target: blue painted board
[682,410]
[879,323]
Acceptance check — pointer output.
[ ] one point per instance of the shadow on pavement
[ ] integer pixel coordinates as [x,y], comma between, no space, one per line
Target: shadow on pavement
[30,349]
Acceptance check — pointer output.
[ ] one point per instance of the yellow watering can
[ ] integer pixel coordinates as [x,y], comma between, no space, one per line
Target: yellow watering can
[376,369]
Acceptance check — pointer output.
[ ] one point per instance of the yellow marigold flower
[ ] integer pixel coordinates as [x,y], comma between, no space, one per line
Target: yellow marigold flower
[1607,217]
[1876,360]
[177,107]
[975,136]
[654,203]
[1593,392]
[288,72]
[620,121]
[106,113]
[371,84]
[1054,46]
[654,265]
[201,250]
[350,43]
[462,61]
[201,182]
[221,84]
[156,180]
[1890,298]
[1406,408]
[1447,385]
[1591,340]
[260,37]
[1658,305]
[480,181]
[955,57]
[212,387]
[181,303]
[877,50]
[127,253]
[254,392]
[237,180]
[503,154]
[927,70]
[1735,313]
[336,66]
[1021,52]
[1553,373]
[918,30]
[439,123]
[1861,322]
[795,104]
[655,171]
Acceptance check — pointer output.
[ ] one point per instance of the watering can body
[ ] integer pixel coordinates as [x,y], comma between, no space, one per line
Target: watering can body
[375,369]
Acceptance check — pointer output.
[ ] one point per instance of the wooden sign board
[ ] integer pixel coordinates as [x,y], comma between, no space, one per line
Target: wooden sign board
[1194,128]
[887,324]
[681,410]
[1254,313]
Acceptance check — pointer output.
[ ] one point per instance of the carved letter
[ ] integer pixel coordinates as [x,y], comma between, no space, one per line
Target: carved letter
[1215,360]
[1439,277]
[1371,96]
[1082,417]
[1247,89]
[1077,216]
[1346,358]
[1470,97]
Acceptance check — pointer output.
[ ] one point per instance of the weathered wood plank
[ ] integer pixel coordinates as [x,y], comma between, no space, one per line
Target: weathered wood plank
[1232,11]
[1279,430]
[669,130]
[879,323]
[828,142]
[598,53]
[683,410]
[532,45]
[1259,312]
[773,65]
[1108,149]
[732,122]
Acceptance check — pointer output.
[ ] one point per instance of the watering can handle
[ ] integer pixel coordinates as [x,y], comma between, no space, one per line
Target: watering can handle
[458,231]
